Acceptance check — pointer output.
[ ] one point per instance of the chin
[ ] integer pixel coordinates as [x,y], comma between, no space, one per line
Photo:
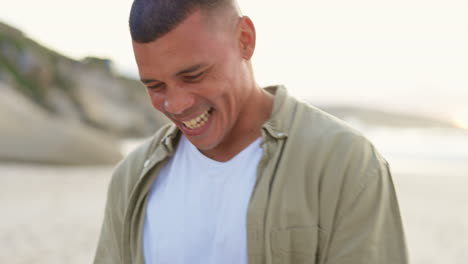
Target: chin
[203,146]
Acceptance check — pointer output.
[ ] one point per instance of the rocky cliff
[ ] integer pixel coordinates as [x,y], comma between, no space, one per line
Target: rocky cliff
[56,109]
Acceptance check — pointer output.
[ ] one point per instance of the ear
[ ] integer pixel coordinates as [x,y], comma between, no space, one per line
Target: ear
[246,37]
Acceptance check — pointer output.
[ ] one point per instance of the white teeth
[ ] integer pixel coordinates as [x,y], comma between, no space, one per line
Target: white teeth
[198,121]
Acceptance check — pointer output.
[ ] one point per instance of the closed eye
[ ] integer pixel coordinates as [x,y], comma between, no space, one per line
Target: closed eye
[156,86]
[193,77]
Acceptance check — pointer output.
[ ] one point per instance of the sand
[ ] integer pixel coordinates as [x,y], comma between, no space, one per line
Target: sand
[49,214]
[53,214]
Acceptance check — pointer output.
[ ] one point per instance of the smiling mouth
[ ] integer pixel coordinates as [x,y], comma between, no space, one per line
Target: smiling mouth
[198,121]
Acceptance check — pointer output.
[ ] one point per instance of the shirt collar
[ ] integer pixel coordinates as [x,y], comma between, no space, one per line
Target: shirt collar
[170,138]
[278,124]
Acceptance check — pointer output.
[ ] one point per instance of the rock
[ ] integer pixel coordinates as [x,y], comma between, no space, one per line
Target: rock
[30,134]
[88,91]
[113,104]
[62,105]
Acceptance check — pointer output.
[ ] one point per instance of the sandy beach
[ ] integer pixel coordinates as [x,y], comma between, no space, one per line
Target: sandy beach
[53,214]
[50,214]
[435,210]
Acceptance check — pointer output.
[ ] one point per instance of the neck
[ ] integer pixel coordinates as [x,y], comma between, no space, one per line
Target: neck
[255,112]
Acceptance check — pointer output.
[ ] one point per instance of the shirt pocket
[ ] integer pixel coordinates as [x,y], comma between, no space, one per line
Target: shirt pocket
[294,245]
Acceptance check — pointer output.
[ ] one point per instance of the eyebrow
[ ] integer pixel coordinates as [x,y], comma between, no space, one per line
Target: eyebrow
[184,71]
[146,81]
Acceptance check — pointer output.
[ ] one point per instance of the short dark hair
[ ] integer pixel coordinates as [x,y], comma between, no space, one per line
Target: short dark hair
[150,19]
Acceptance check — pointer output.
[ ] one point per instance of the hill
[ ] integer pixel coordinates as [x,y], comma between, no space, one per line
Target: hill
[49,101]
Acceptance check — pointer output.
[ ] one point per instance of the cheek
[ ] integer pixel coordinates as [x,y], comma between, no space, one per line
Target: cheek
[221,83]
[157,101]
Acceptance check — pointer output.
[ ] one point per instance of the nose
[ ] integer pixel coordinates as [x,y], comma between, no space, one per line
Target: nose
[177,101]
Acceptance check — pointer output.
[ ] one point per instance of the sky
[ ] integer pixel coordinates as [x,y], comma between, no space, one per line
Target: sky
[400,55]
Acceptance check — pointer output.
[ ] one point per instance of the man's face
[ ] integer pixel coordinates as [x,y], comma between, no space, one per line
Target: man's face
[196,76]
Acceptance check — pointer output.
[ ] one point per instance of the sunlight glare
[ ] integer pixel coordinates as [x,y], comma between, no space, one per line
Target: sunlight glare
[461,118]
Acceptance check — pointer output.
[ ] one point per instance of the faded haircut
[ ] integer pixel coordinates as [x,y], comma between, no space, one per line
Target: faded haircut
[151,19]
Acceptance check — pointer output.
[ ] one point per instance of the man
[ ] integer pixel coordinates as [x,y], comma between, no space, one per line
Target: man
[243,174]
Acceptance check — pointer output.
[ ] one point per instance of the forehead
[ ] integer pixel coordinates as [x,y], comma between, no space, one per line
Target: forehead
[192,41]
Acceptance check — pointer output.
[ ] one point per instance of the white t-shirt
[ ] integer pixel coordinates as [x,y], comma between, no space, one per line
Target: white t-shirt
[197,208]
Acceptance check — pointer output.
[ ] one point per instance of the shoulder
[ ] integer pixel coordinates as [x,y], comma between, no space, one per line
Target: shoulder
[330,147]
[309,126]
[321,131]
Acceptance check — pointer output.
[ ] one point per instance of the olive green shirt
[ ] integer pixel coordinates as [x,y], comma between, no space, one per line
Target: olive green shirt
[323,194]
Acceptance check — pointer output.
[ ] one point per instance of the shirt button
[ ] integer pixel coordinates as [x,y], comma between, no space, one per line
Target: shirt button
[146,163]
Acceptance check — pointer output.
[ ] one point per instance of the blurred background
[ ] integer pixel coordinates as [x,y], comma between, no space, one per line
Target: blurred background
[71,107]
